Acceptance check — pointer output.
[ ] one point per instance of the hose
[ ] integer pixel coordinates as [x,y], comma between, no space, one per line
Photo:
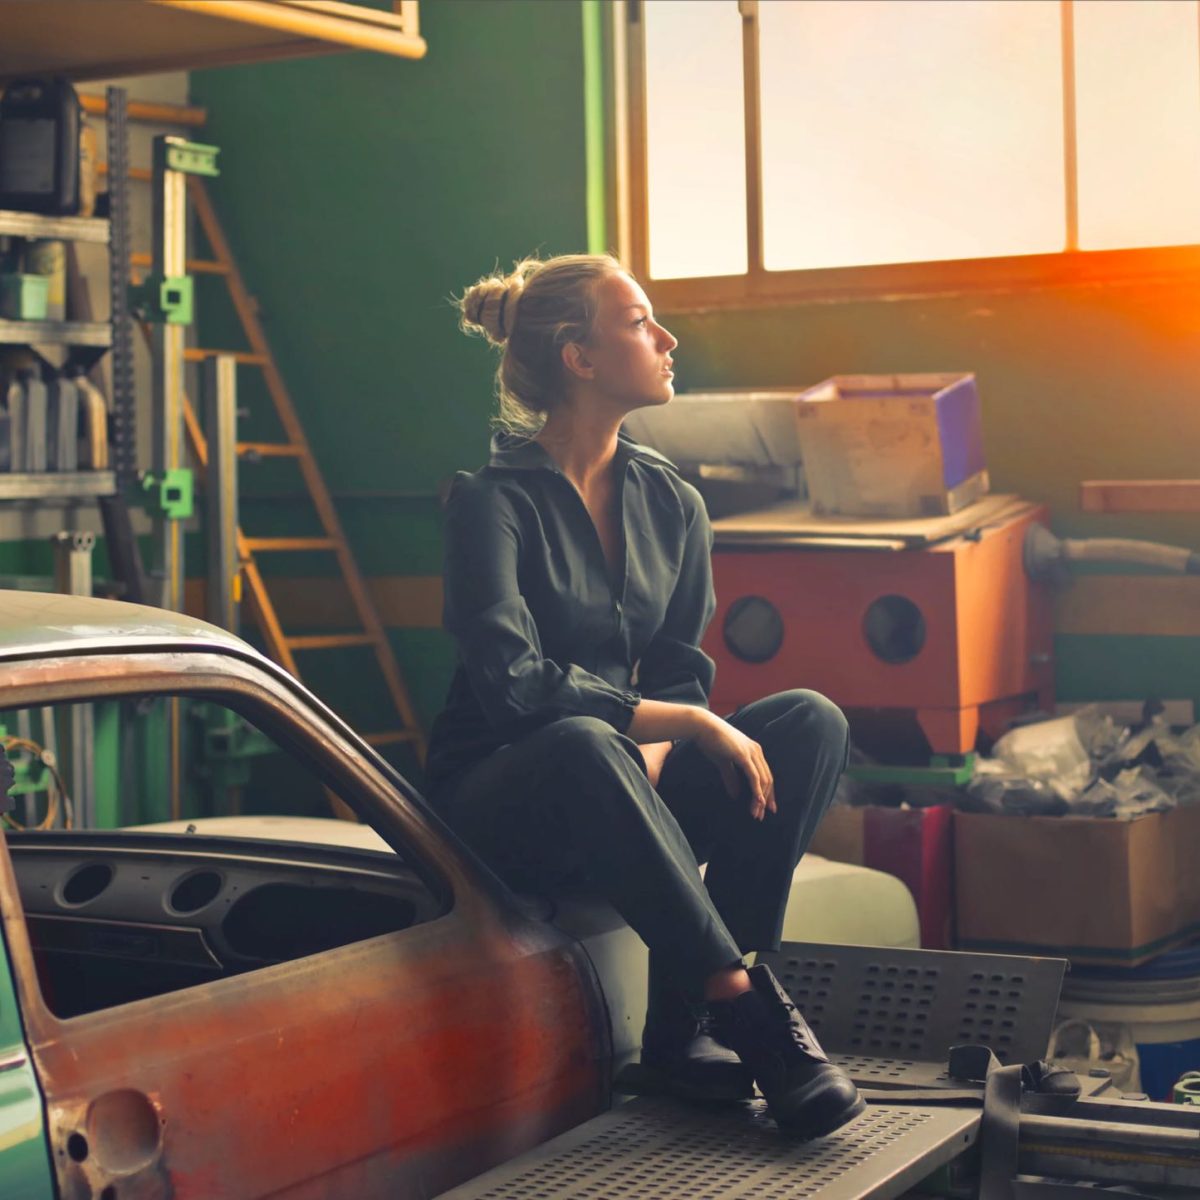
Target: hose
[1047,556]
[47,760]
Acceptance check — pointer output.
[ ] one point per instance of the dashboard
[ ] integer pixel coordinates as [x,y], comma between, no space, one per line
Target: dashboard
[117,917]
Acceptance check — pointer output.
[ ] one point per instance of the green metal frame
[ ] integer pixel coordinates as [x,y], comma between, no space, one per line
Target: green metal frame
[943,771]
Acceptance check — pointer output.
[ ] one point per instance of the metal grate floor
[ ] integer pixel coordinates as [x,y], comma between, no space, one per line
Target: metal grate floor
[913,1005]
[657,1149]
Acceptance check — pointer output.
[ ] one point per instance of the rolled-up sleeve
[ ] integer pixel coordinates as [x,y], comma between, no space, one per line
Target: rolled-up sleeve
[517,687]
[673,667]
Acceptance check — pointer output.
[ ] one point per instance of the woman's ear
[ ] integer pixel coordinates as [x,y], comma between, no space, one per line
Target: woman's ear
[576,361]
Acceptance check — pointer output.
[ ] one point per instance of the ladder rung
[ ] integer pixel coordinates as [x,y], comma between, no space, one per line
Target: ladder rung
[196,354]
[270,449]
[201,266]
[392,737]
[267,545]
[328,641]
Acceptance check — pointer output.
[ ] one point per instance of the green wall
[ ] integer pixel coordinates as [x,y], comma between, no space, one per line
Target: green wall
[358,193]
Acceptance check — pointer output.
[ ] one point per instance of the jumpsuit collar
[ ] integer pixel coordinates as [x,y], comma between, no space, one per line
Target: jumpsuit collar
[518,452]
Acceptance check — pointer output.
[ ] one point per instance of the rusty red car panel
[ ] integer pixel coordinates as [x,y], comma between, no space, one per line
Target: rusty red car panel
[395,1066]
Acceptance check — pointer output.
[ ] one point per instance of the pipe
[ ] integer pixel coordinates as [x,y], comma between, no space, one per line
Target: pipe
[156,114]
[1047,556]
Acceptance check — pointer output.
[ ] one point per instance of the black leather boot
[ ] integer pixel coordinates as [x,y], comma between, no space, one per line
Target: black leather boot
[690,1061]
[807,1095]
[682,1056]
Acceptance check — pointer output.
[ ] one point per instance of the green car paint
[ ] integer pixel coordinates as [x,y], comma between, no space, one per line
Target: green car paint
[24,1156]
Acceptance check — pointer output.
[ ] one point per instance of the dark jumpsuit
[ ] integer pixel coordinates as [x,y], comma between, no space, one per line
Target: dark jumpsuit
[530,761]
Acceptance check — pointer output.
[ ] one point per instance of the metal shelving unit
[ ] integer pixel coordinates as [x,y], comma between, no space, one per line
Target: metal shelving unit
[72,229]
[59,333]
[88,340]
[56,485]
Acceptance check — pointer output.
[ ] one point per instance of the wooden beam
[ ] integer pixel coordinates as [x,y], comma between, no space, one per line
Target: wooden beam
[1129,606]
[320,20]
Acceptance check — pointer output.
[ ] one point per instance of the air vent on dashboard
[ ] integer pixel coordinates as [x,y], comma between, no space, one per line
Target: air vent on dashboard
[85,883]
[194,891]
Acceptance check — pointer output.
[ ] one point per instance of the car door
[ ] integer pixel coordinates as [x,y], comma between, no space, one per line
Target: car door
[393,1066]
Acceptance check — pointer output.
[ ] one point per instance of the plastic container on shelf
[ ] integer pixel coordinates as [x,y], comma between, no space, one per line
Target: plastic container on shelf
[48,257]
[62,425]
[23,297]
[92,453]
[12,424]
[36,401]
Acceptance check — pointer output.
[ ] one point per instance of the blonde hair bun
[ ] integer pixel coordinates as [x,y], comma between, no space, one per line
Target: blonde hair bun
[490,306]
[556,298]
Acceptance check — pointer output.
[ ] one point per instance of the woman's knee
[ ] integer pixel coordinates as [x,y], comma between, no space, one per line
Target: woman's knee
[816,714]
[591,759]
[584,742]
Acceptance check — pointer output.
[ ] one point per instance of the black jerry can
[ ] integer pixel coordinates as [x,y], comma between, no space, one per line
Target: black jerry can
[40,122]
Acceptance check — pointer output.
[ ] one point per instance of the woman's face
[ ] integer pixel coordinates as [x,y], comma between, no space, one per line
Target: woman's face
[629,353]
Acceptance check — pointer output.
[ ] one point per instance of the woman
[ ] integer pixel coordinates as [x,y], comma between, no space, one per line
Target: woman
[577,745]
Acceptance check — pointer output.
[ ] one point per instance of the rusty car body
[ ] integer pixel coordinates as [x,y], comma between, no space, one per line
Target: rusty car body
[395,1062]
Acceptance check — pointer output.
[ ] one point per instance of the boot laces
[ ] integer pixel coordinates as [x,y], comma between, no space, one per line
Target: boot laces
[797,1027]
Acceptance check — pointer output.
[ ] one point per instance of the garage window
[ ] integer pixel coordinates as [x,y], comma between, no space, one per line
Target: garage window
[811,147]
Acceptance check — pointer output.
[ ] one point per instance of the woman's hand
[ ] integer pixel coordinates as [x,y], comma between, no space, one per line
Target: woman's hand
[738,757]
[655,754]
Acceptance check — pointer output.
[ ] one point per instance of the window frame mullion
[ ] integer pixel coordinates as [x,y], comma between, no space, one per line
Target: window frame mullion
[1070,135]
[752,106]
[637,162]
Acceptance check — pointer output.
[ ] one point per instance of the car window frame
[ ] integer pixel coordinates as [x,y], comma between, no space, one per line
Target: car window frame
[298,722]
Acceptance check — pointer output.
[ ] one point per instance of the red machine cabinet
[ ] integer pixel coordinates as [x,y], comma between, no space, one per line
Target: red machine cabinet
[953,633]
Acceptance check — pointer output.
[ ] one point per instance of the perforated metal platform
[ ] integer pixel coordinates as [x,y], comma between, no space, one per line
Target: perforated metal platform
[889,1017]
[657,1149]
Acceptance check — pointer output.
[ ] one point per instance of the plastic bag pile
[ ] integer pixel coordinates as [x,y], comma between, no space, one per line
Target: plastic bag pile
[1087,765]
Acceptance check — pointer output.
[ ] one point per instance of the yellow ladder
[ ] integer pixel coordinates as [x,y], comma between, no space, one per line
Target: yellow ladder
[281,646]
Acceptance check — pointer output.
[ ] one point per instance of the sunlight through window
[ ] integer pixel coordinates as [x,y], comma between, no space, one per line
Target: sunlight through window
[910,130]
[1137,73]
[696,138]
[918,131]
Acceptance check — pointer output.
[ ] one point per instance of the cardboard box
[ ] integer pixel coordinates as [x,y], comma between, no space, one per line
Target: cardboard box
[1092,889]
[892,445]
[914,844]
